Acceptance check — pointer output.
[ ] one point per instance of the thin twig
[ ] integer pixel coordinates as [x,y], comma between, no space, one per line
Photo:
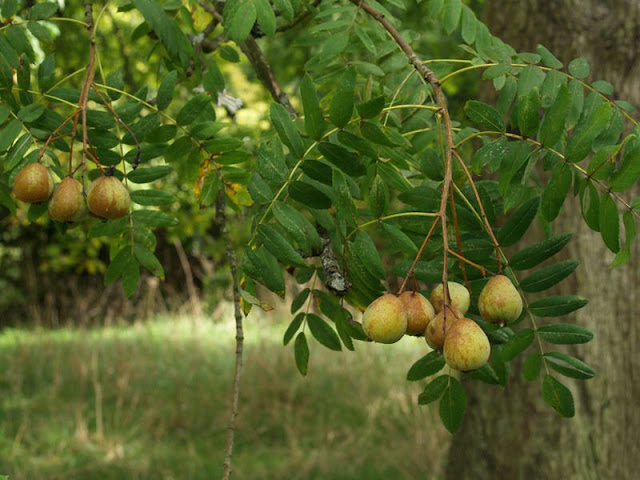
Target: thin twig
[221,223]
[196,306]
[464,259]
[485,220]
[53,136]
[454,216]
[412,269]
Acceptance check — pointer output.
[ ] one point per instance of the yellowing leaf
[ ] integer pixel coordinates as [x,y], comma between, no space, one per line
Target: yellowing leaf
[239,194]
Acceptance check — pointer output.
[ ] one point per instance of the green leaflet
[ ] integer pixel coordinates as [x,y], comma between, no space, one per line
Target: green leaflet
[430,364]
[453,404]
[565,333]
[532,255]
[558,396]
[557,306]
[170,34]
[301,352]
[286,130]
[484,115]
[313,120]
[555,192]
[343,99]
[548,276]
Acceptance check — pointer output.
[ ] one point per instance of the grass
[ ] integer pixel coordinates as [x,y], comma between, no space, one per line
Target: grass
[152,402]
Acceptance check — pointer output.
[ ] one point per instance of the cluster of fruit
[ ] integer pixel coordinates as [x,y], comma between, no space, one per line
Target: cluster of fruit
[105,198]
[464,344]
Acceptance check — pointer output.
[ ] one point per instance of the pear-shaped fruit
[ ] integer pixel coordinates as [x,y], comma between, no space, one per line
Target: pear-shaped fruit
[385,320]
[439,327]
[459,297]
[67,203]
[499,301]
[33,184]
[419,312]
[108,198]
[466,346]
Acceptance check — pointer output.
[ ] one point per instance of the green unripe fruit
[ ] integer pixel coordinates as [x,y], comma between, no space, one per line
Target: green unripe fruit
[108,198]
[67,203]
[499,301]
[438,328]
[458,297]
[419,312]
[33,184]
[466,346]
[385,320]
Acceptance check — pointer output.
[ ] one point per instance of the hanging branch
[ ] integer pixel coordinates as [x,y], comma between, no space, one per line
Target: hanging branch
[429,78]
[259,62]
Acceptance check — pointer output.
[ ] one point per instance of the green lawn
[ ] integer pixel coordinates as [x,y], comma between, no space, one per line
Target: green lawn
[152,402]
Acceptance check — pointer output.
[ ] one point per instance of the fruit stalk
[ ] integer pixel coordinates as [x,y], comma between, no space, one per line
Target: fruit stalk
[84,94]
[483,214]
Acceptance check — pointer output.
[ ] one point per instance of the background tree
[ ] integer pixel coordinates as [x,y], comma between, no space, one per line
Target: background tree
[602,440]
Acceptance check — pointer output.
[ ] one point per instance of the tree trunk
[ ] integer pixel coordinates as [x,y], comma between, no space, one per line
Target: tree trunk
[511,433]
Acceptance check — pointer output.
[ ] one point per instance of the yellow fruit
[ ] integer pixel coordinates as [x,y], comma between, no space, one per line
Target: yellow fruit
[385,320]
[33,184]
[108,198]
[439,327]
[499,301]
[419,312]
[67,203]
[458,297]
[466,346]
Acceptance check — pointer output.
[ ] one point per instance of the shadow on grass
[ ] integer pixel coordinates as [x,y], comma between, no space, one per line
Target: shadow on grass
[152,402]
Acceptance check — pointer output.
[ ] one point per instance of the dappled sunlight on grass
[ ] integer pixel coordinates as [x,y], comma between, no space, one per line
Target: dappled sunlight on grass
[152,401]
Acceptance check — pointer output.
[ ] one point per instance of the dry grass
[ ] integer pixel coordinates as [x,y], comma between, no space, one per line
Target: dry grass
[151,402]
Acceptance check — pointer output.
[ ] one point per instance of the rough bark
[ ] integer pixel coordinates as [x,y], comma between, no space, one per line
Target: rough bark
[511,433]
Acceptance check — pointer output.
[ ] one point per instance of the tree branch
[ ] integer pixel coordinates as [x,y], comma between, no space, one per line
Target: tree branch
[257,59]
[265,73]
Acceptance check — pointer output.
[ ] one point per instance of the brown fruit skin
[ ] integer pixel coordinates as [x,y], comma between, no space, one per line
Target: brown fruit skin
[67,203]
[466,346]
[437,330]
[499,301]
[385,320]
[33,184]
[108,198]
[419,312]
[460,298]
